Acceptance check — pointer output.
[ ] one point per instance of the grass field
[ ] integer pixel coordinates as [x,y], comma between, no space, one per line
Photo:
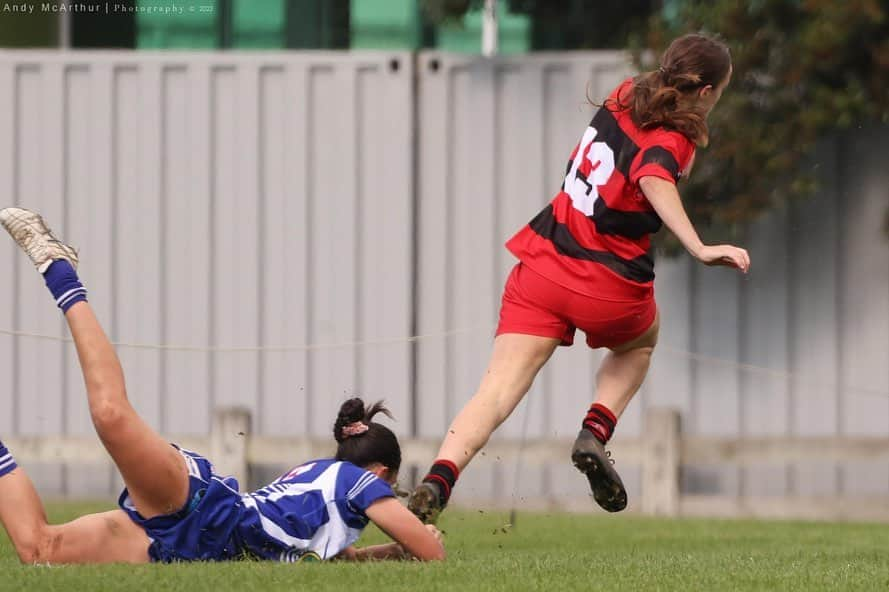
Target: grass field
[543,552]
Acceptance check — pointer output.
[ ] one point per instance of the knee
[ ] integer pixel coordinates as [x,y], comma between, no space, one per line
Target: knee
[645,350]
[107,415]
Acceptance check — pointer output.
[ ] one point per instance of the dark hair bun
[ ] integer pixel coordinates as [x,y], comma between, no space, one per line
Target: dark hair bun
[350,412]
[354,410]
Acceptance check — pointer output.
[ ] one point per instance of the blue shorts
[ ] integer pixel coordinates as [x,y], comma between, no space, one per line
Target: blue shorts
[204,529]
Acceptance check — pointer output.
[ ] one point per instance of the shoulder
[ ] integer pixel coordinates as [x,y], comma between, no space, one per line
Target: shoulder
[623,90]
[351,475]
[674,141]
[353,481]
[360,488]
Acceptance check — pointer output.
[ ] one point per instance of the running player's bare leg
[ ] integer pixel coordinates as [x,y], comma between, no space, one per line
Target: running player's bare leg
[514,363]
[619,377]
[624,369]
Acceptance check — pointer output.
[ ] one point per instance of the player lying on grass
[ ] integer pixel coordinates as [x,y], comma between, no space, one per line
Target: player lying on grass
[174,507]
[585,263]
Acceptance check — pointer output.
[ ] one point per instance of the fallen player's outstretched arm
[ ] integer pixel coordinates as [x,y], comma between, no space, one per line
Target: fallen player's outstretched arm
[412,538]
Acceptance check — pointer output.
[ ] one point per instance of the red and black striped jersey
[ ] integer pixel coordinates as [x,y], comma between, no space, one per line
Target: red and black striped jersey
[594,237]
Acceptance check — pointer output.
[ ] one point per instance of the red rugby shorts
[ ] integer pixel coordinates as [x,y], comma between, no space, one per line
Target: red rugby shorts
[534,305]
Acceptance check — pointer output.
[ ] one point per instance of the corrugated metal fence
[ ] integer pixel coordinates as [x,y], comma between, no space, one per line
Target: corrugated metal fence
[288,220]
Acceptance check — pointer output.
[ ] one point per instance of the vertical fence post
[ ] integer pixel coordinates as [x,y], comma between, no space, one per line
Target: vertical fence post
[228,442]
[660,462]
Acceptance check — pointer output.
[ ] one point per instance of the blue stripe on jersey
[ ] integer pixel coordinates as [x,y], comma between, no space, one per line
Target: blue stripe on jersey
[316,507]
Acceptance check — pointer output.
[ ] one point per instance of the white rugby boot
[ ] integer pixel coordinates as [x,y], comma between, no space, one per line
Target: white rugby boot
[33,235]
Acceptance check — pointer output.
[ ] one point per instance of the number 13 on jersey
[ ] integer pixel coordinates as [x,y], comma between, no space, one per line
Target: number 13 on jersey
[592,166]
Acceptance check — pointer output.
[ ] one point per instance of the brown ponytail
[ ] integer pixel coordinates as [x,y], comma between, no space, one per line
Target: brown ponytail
[667,97]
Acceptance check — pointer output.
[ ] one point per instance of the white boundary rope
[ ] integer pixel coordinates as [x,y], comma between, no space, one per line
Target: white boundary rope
[251,348]
[687,355]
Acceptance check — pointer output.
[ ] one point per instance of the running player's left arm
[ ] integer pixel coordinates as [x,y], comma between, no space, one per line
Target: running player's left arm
[664,198]
[655,171]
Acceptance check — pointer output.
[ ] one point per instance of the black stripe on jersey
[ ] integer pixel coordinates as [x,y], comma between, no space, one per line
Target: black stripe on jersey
[609,131]
[633,225]
[639,269]
[662,157]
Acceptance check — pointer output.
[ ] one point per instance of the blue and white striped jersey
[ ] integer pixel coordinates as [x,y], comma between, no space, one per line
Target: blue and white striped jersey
[316,508]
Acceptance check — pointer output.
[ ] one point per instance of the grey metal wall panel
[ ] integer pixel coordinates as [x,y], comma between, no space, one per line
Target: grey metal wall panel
[670,365]
[136,248]
[185,249]
[333,230]
[814,285]
[234,235]
[433,363]
[864,284]
[765,392]
[284,198]
[716,328]
[40,160]
[88,214]
[385,252]
[9,399]
[864,302]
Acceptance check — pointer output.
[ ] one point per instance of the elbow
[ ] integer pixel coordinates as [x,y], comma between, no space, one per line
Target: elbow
[107,415]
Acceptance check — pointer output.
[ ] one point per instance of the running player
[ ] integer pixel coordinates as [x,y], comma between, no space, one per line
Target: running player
[585,263]
[174,507]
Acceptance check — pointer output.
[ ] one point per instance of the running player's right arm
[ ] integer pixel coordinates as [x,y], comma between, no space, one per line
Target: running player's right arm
[664,198]
[406,529]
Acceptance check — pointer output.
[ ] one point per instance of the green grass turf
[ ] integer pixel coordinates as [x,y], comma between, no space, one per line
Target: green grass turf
[543,552]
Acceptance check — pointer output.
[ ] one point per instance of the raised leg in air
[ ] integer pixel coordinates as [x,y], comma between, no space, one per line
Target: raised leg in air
[154,472]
